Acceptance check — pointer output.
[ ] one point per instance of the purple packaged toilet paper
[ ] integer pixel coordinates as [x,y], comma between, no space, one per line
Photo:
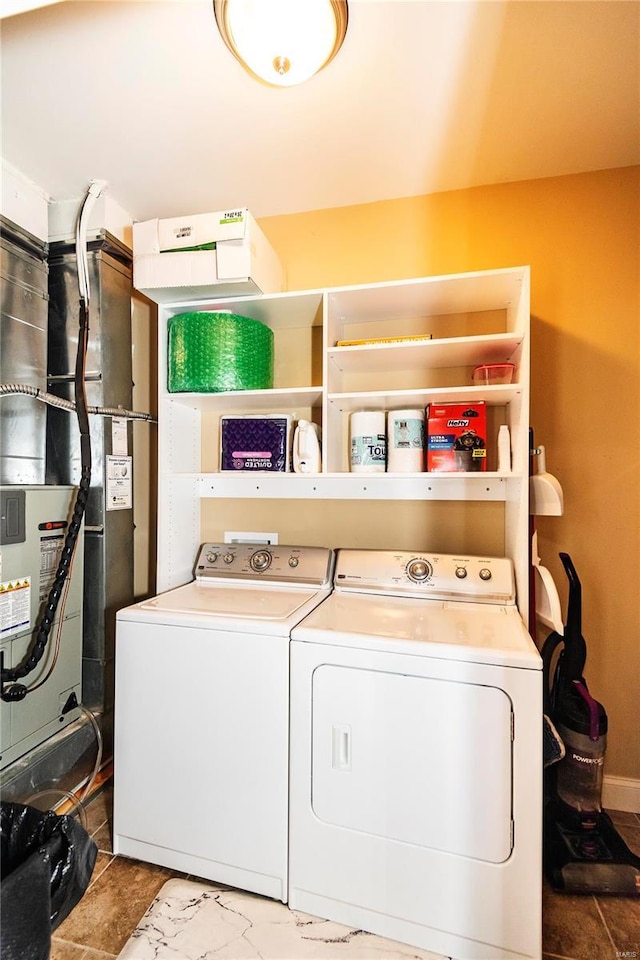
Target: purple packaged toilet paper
[257,443]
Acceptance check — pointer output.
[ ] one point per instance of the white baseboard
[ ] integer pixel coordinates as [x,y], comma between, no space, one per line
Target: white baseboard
[621,793]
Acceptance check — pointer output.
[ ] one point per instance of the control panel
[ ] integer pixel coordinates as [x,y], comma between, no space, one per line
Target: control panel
[430,576]
[258,561]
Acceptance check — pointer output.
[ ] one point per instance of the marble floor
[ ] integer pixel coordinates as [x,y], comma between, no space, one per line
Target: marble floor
[121,890]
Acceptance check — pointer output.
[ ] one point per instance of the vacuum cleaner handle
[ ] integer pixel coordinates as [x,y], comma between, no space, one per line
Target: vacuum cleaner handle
[574,608]
[575,649]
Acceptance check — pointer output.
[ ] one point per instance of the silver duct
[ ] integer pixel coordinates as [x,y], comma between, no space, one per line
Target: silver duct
[23,353]
[108,533]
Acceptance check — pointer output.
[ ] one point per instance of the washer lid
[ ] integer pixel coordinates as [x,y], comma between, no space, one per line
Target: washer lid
[238,607]
[449,630]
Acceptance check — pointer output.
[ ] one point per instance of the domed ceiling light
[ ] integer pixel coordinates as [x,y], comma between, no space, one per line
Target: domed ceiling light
[282,42]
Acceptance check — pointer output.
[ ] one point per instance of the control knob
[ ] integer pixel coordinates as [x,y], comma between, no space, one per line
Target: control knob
[260,560]
[419,570]
[211,557]
[485,574]
[228,558]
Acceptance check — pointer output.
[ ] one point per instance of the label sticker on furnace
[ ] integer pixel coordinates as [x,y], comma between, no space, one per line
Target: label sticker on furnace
[15,605]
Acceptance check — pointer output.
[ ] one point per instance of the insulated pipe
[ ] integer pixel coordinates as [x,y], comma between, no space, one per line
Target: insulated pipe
[7,389]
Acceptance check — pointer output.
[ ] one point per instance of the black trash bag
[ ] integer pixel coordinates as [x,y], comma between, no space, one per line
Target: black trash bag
[46,864]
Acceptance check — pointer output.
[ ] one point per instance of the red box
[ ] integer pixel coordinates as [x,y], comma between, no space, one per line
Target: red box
[456,437]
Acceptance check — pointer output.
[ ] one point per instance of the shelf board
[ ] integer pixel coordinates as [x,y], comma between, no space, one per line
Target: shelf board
[288,398]
[449,352]
[494,396]
[344,486]
[429,296]
[279,310]
[240,287]
[250,401]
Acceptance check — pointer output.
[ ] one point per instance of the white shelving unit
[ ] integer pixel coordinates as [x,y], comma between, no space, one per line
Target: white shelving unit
[472,318]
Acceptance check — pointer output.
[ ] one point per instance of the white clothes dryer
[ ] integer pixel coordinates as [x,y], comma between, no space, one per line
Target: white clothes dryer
[202,715]
[416,756]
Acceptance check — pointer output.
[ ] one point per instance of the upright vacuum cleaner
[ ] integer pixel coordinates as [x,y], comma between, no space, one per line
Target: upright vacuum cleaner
[583,852]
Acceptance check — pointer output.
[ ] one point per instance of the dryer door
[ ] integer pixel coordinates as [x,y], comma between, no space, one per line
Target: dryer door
[415,759]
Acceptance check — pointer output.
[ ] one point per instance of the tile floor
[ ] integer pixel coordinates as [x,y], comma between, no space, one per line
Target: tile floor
[574,927]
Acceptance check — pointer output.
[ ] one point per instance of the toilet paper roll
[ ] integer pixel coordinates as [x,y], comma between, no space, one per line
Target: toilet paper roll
[405,441]
[368,442]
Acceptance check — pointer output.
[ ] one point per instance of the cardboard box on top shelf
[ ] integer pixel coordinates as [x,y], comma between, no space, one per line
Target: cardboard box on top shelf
[203,255]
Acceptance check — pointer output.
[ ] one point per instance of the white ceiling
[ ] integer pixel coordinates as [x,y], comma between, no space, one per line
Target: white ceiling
[423,97]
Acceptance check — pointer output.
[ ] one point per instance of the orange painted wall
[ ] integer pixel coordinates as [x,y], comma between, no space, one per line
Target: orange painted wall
[581,236]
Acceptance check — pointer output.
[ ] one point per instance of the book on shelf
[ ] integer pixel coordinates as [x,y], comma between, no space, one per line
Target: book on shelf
[369,340]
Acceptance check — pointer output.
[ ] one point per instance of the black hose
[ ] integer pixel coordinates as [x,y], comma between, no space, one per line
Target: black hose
[47,616]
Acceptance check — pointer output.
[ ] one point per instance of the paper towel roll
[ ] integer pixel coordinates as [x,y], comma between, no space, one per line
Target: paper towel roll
[405,441]
[368,442]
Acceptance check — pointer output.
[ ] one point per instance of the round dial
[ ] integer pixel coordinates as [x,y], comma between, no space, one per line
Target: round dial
[293,561]
[260,560]
[461,572]
[211,557]
[228,558]
[485,574]
[419,570]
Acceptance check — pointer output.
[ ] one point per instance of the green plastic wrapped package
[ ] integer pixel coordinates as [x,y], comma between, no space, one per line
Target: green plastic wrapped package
[213,352]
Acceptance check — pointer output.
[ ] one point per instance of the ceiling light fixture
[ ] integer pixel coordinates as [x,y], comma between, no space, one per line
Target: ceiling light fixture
[282,42]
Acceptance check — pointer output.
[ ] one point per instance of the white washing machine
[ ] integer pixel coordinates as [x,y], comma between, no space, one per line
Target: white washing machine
[416,756]
[202,715]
